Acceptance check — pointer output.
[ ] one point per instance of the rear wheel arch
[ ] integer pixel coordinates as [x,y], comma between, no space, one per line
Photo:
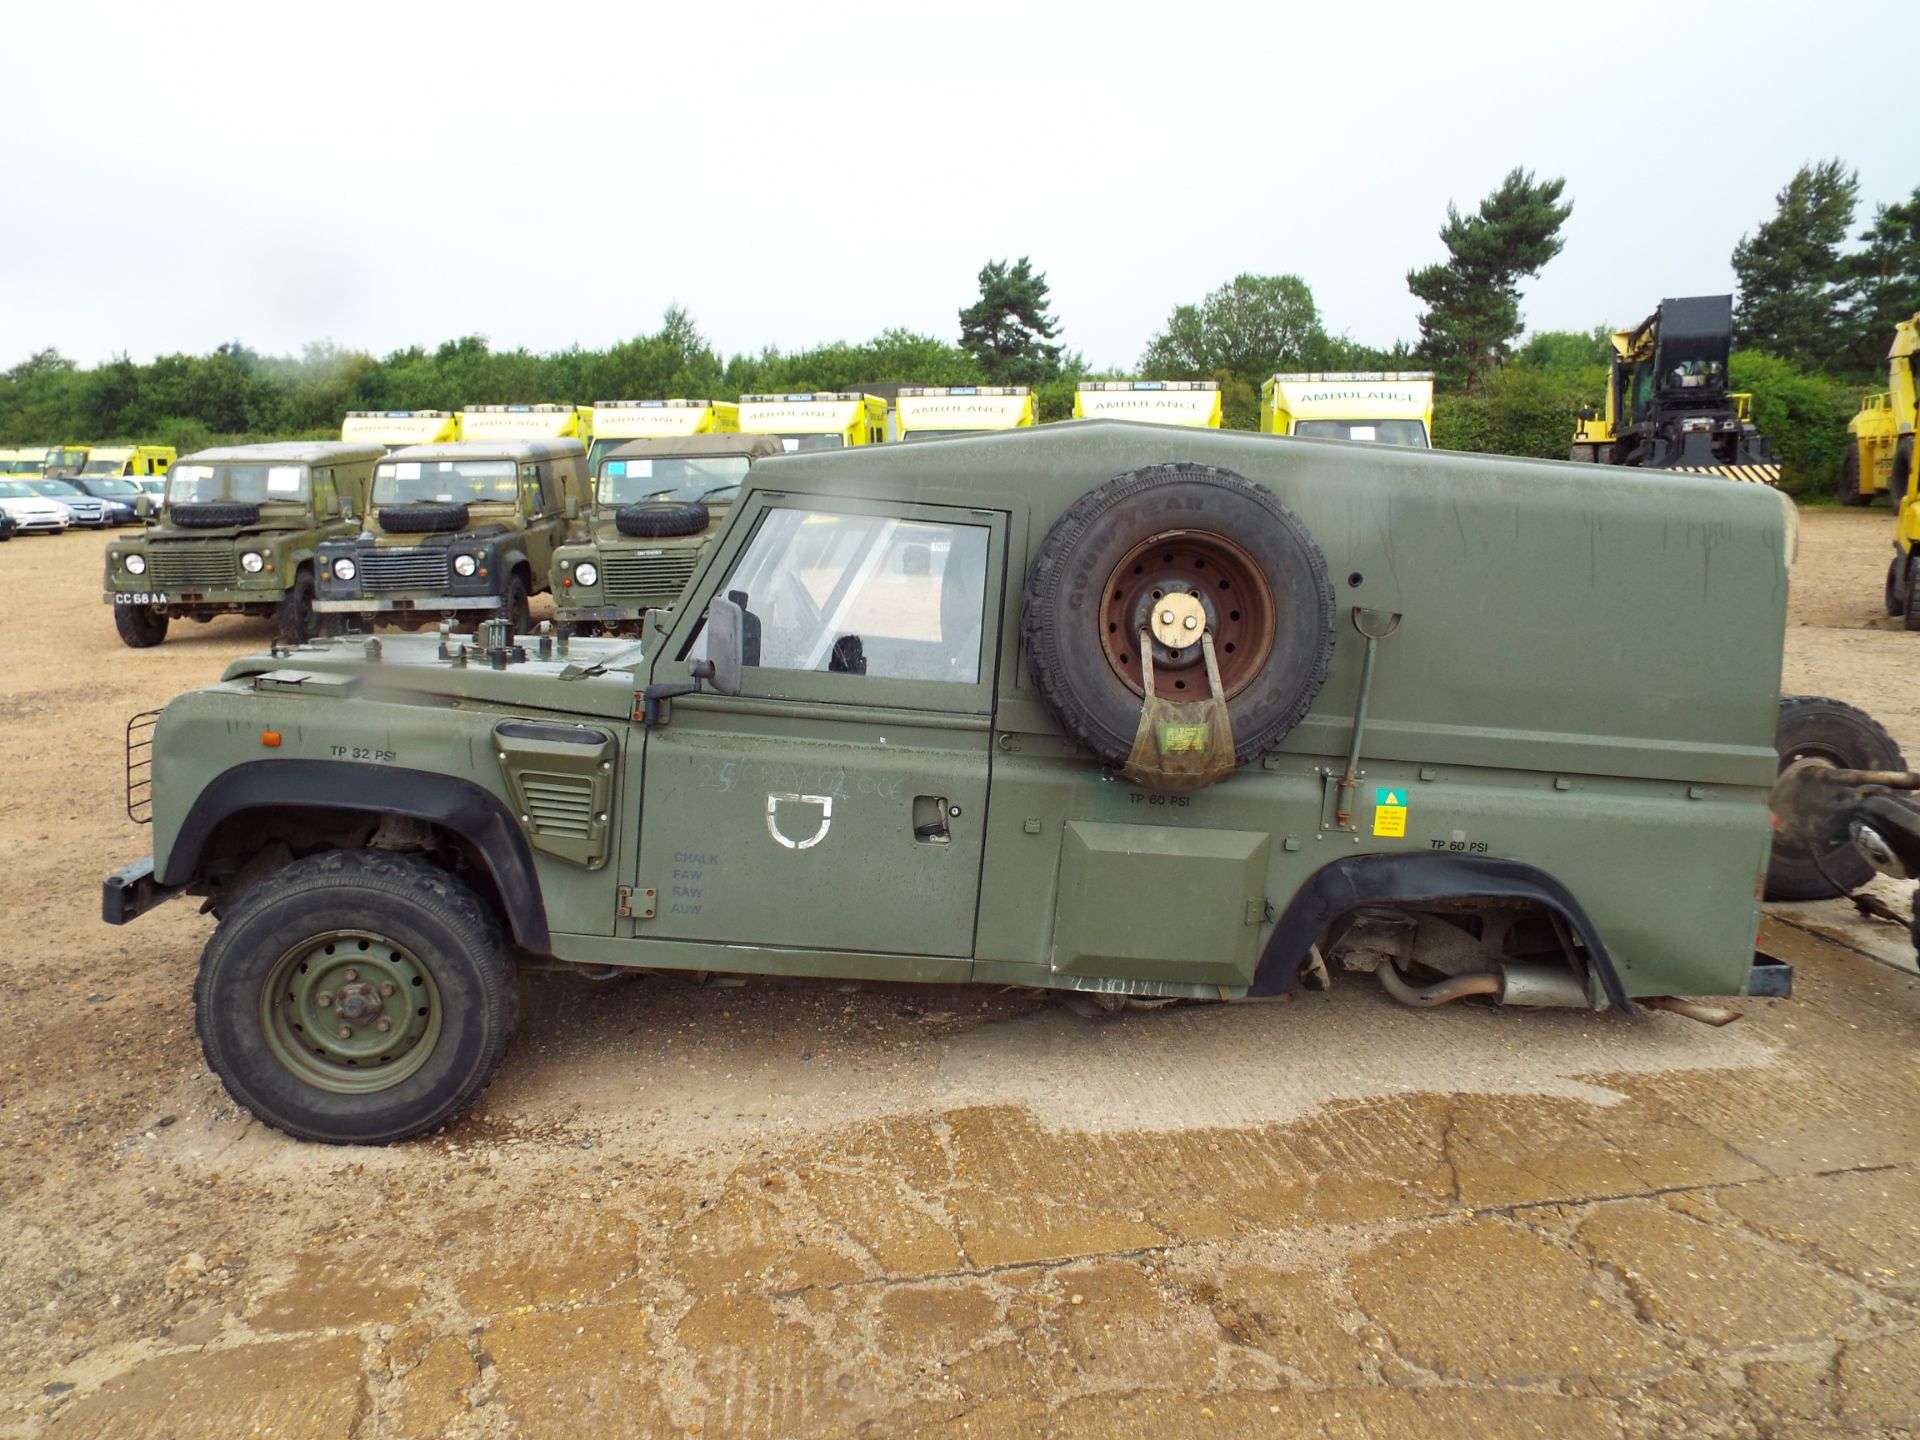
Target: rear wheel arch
[339,806]
[1411,881]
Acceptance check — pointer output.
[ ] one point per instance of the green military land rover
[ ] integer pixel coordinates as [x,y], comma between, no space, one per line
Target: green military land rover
[455,528]
[1103,707]
[656,504]
[236,535]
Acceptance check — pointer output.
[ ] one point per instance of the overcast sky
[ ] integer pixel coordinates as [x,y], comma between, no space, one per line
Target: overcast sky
[552,174]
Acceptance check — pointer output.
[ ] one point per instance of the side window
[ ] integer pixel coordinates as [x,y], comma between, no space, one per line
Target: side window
[530,497]
[325,501]
[874,595]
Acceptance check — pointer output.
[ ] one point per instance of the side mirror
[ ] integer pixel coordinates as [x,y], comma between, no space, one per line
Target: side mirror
[725,646]
[143,505]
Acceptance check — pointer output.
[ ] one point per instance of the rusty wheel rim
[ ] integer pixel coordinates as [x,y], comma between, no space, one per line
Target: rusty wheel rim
[1242,614]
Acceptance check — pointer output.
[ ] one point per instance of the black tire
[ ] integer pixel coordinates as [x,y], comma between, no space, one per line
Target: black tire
[661,522]
[1910,602]
[141,627]
[1893,600]
[213,514]
[515,604]
[1060,610]
[1814,729]
[1901,475]
[455,940]
[1847,488]
[423,519]
[296,618]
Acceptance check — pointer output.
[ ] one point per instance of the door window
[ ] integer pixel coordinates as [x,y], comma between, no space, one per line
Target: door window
[875,595]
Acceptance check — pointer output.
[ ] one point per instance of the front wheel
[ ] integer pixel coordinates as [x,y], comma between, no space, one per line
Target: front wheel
[1848,487]
[295,616]
[357,997]
[1893,600]
[516,606]
[141,627]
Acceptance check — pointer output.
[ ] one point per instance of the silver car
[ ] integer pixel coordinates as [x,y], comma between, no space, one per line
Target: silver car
[81,508]
[32,515]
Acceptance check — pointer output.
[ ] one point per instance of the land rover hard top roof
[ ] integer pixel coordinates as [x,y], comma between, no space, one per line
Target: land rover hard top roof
[517,450]
[287,452]
[666,447]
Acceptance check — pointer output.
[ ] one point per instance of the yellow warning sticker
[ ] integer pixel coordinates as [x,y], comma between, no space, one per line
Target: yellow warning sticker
[1390,813]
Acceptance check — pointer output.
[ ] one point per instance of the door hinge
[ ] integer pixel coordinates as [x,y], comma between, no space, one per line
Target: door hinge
[635,904]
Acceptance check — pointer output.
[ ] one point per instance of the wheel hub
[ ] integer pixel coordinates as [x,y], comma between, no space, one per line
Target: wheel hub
[1178,586]
[350,1012]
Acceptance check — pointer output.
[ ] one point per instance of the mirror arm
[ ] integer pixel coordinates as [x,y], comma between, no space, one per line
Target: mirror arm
[652,695]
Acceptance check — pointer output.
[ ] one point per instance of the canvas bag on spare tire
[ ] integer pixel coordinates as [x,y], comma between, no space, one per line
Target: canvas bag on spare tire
[1275,630]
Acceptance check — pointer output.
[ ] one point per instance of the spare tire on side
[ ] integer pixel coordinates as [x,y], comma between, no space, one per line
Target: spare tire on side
[1807,861]
[661,522]
[423,519]
[1257,572]
[213,514]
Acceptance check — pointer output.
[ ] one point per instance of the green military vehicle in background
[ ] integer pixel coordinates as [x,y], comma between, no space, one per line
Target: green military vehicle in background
[1100,707]
[656,503]
[456,528]
[236,534]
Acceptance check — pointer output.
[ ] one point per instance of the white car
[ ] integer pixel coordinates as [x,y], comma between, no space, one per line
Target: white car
[32,514]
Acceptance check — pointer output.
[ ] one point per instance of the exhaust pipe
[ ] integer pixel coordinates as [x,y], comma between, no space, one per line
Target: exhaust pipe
[1538,987]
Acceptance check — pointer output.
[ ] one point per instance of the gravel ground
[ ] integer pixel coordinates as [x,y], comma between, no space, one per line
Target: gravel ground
[807,1209]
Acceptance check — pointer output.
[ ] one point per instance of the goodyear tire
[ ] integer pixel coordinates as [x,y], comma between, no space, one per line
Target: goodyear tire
[661,522]
[1250,561]
[213,514]
[1815,730]
[1848,486]
[141,627]
[423,519]
[300,974]
[295,616]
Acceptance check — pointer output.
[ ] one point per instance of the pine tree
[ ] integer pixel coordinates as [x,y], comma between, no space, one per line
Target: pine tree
[1473,299]
[1007,329]
[1794,282]
[1886,281]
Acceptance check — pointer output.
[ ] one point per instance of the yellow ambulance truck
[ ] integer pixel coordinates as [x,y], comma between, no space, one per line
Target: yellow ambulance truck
[394,428]
[131,462]
[816,420]
[526,422]
[1195,403]
[934,412]
[1388,407]
[617,421]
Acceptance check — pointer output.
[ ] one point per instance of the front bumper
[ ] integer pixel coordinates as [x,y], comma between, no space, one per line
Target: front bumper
[425,605]
[129,893]
[602,614]
[49,523]
[225,598]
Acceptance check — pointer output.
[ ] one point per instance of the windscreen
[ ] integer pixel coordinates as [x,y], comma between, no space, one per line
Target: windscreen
[676,478]
[1380,432]
[245,484]
[103,467]
[446,482]
[14,490]
[65,459]
[55,487]
[791,443]
[910,436]
[112,485]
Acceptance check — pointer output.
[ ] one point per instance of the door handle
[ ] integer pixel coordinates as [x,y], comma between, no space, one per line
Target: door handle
[930,815]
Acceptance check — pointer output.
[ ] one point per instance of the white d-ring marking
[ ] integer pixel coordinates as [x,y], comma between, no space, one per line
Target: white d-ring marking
[825,802]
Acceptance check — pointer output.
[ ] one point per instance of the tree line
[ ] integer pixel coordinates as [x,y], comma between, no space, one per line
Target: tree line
[1815,308]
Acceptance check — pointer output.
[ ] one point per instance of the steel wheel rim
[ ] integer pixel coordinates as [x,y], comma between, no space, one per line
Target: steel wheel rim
[350,980]
[1242,613]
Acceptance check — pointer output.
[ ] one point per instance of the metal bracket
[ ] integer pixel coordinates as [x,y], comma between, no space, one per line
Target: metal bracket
[635,904]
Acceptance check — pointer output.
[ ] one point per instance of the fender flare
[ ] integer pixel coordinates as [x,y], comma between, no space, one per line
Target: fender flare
[474,814]
[1347,884]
